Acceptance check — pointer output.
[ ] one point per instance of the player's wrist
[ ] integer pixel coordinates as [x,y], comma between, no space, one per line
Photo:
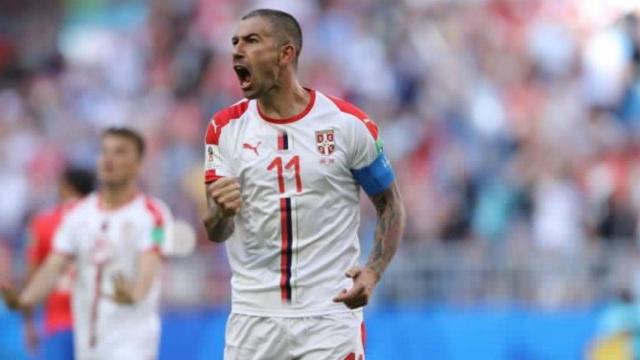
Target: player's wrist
[373,272]
[214,217]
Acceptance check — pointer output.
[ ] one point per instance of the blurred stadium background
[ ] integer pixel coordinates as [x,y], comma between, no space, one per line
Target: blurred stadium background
[513,125]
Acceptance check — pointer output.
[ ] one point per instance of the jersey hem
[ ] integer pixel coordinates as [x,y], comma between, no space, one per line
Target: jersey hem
[290,314]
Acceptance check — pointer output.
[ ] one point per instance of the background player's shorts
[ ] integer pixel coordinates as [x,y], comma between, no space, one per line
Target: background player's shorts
[58,346]
[335,336]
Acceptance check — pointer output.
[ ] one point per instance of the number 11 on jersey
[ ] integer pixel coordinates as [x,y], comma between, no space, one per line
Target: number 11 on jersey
[294,164]
[286,222]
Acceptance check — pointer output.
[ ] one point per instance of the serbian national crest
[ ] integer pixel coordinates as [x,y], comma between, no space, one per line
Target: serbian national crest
[325,141]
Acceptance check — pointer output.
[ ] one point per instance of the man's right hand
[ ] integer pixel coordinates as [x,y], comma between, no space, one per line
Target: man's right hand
[225,192]
[11,298]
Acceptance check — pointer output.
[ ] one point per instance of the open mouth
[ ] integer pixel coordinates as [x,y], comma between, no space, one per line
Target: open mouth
[244,75]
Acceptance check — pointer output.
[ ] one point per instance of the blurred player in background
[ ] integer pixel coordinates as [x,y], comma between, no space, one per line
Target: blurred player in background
[114,238]
[74,184]
[283,171]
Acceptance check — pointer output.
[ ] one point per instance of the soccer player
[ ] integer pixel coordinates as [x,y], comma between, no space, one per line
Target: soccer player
[283,169]
[74,184]
[113,237]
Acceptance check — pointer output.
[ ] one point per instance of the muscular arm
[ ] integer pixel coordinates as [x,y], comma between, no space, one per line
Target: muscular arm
[218,227]
[223,203]
[389,228]
[130,292]
[44,280]
[148,267]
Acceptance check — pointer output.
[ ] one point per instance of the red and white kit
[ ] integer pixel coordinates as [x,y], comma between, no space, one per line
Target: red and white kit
[105,243]
[296,233]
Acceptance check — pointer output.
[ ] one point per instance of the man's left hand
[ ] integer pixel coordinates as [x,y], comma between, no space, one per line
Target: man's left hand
[123,290]
[364,280]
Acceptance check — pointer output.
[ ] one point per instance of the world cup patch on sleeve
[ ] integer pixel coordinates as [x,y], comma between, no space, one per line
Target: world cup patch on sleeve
[212,157]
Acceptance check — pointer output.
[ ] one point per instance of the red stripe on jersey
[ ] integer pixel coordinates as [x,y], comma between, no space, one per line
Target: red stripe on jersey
[280,141]
[363,334]
[284,294]
[307,109]
[283,141]
[349,108]
[289,245]
[154,209]
[95,307]
[221,119]
[286,253]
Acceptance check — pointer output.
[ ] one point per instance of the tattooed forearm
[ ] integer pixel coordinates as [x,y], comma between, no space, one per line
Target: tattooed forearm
[391,218]
[218,227]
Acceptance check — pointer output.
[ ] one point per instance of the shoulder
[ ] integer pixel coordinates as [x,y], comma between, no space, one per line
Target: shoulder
[156,210]
[79,210]
[354,114]
[222,118]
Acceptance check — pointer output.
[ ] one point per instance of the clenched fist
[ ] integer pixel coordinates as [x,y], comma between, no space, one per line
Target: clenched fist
[225,193]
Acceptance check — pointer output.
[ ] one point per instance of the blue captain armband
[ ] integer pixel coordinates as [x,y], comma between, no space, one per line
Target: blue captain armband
[376,177]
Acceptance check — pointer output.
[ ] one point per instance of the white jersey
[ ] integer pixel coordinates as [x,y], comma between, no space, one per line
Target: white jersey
[296,233]
[105,243]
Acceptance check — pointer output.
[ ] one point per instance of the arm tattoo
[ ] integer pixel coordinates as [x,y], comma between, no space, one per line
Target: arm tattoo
[391,218]
[218,227]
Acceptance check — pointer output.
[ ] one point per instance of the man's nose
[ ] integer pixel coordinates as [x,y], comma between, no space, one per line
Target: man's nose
[237,55]
[238,51]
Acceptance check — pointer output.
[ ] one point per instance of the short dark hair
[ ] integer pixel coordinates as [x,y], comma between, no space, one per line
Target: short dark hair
[284,24]
[82,181]
[128,133]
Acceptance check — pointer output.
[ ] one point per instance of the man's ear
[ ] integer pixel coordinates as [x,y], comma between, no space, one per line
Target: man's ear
[287,54]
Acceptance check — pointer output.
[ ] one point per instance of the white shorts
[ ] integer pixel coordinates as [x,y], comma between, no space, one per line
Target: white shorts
[334,336]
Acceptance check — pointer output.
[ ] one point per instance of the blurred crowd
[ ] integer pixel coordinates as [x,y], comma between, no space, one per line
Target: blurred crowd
[510,123]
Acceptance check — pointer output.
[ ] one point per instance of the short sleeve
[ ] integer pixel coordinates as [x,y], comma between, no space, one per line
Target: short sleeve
[157,231]
[366,144]
[369,165]
[215,164]
[64,240]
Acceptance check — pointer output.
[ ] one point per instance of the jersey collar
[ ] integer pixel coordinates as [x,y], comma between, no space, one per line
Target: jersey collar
[312,100]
